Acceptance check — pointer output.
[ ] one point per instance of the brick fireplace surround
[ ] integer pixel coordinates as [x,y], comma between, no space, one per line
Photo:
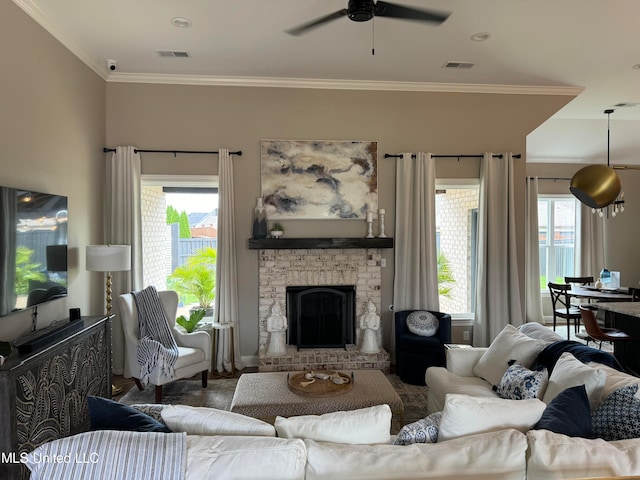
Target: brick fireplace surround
[282,267]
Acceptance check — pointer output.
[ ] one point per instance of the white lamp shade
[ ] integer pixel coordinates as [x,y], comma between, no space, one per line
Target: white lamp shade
[108,258]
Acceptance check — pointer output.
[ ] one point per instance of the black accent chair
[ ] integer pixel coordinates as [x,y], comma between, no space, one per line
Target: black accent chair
[414,353]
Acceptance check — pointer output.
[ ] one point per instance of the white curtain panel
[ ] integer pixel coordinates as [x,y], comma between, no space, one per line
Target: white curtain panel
[533,299]
[497,285]
[415,283]
[226,302]
[590,257]
[123,226]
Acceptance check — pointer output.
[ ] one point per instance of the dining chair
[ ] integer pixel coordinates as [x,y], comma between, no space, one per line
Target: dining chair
[600,334]
[561,305]
[579,282]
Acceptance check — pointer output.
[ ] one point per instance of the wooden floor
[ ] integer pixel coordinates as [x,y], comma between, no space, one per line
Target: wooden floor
[126,384]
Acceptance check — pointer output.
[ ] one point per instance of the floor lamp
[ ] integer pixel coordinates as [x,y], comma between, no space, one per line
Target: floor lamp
[109,258]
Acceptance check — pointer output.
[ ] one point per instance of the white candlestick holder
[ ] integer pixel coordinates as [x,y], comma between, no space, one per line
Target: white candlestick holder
[369,229]
[381,218]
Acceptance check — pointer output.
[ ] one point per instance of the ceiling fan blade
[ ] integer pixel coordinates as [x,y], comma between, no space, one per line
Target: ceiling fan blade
[386,9]
[305,27]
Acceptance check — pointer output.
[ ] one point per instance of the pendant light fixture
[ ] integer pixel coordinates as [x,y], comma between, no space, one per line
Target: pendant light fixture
[598,186]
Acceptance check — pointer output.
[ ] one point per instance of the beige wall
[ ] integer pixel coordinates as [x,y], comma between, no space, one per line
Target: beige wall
[206,117]
[52,128]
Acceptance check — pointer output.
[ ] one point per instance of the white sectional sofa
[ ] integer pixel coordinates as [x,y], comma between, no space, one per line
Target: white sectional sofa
[216,444]
[223,445]
[460,376]
[506,454]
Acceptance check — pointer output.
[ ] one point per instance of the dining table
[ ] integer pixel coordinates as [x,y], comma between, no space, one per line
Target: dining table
[600,294]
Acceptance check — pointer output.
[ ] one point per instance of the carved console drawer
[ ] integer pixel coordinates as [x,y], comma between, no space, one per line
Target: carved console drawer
[43,394]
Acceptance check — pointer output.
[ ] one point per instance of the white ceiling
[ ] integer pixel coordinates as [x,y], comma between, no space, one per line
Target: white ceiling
[536,46]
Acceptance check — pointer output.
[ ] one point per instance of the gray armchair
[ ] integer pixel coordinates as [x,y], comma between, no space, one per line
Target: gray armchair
[194,348]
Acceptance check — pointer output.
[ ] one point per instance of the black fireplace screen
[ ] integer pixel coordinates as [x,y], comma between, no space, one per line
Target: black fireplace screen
[321,316]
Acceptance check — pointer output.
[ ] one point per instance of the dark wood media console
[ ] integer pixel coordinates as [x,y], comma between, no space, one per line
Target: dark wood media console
[43,393]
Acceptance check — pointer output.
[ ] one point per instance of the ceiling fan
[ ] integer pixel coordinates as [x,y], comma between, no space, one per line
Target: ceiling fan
[365,10]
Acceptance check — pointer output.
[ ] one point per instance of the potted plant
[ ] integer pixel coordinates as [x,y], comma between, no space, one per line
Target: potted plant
[277,230]
[191,323]
[195,281]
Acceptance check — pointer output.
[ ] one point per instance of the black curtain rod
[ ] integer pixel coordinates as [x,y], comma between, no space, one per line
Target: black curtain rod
[552,178]
[497,155]
[175,152]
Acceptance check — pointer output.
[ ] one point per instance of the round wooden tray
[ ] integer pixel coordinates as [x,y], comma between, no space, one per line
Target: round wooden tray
[319,388]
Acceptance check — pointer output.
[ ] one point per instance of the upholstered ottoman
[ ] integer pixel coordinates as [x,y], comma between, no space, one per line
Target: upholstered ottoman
[267,395]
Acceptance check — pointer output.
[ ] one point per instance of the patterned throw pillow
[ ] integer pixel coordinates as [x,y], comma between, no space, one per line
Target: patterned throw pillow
[618,416]
[422,431]
[423,323]
[520,383]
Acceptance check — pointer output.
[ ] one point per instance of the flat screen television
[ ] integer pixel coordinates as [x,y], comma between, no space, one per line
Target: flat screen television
[33,248]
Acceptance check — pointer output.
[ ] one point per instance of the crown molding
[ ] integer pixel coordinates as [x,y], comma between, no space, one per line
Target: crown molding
[35,12]
[336,84]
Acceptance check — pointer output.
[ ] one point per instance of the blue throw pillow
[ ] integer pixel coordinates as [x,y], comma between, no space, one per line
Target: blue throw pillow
[568,414]
[105,414]
[520,383]
[618,416]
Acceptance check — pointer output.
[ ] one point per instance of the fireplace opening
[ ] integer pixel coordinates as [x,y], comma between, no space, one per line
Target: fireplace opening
[321,317]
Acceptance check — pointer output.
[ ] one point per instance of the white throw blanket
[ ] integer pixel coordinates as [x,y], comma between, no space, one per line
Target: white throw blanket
[157,348]
[111,455]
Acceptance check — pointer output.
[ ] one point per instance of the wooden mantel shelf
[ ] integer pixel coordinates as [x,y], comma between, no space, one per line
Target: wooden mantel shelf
[280,243]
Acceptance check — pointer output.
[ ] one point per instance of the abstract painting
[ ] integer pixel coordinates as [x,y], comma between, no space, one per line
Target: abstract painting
[319,179]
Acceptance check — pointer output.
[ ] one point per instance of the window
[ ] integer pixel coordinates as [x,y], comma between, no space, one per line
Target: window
[191,206]
[557,234]
[456,240]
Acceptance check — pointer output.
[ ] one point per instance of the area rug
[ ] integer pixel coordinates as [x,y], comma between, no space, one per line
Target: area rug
[219,394]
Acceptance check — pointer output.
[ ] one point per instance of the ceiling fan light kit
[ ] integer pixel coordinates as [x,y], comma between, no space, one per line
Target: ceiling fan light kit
[599,186]
[365,10]
[360,11]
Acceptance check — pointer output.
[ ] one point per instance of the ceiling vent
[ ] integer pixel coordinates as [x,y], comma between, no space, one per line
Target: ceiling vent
[173,54]
[458,65]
